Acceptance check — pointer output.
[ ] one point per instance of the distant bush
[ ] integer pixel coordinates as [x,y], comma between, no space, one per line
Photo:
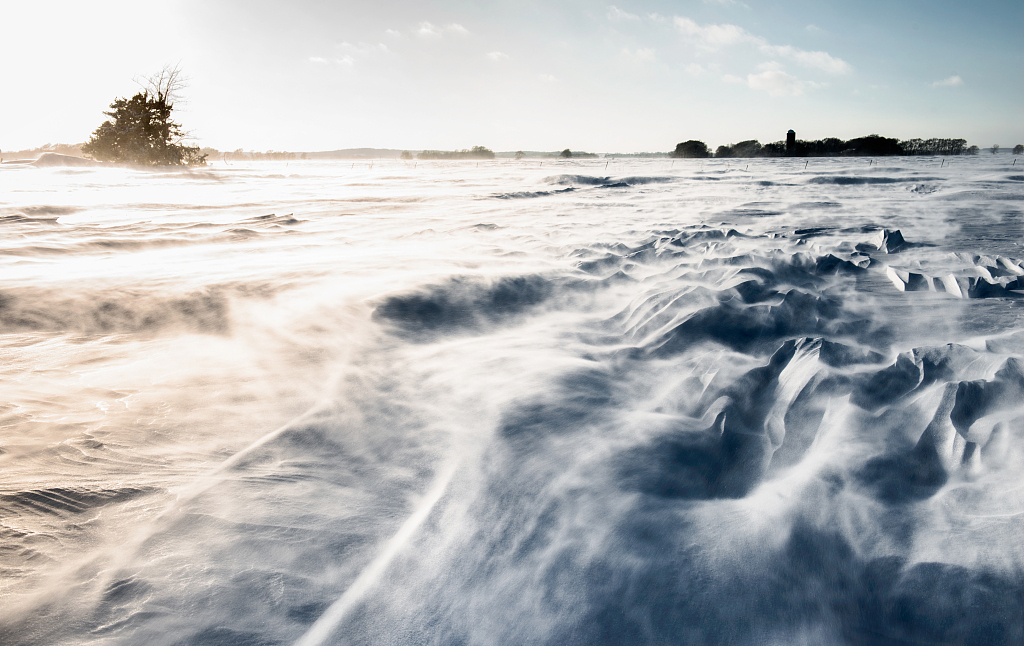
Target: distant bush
[565,154]
[1018,149]
[873,146]
[749,148]
[692,149]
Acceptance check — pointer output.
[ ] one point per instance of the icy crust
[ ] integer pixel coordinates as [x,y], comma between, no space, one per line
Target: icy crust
[747,437]
[781,304]
[978,277]
[455,417]
[786,405]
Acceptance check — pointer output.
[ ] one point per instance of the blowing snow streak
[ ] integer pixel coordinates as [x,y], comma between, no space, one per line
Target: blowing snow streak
[651,403]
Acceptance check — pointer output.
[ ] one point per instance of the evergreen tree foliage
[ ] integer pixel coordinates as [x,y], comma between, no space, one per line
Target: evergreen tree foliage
[749,148]
[140,130]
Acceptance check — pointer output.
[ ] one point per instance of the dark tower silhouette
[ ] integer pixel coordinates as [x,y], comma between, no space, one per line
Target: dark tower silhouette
[790,142]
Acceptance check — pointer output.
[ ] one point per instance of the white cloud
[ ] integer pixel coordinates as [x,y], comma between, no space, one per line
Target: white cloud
[428,30]
[347,61]
[952,81]
[547,78]
[819,60]
[695,69]
[646,54]
[365,49]
[729,78]
[497,56]
[393,33]
[351,53]
[616,14]
[714,37]
[813,28]
[776,83]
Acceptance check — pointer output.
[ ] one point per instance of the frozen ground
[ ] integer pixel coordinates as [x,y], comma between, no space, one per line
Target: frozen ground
[651,402]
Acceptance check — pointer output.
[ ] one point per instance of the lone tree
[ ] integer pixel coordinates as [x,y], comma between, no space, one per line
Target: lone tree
[1018,149]
[995,148]
[691,148]
[140,130]
[565,154]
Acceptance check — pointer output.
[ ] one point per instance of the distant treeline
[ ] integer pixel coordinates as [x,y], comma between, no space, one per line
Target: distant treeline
[869,146]
[252,155]
[74,150]
[872,145]
[476,152]
[637,155]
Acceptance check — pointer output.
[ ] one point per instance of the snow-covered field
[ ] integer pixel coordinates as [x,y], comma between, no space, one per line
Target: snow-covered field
[569,403]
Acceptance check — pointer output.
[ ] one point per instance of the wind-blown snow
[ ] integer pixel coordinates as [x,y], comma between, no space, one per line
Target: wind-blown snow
[647,402]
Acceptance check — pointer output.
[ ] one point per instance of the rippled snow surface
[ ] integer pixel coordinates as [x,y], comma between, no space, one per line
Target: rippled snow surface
[512,403]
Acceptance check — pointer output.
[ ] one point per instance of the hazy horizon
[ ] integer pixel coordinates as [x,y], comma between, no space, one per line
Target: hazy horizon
[599,77]
[501,154]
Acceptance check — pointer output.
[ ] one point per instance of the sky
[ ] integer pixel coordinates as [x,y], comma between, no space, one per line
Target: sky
[308,75]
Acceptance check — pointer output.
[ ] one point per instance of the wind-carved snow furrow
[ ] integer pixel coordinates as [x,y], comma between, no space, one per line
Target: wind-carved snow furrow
[981,276]
[998,278]
[336,613]
[121,556]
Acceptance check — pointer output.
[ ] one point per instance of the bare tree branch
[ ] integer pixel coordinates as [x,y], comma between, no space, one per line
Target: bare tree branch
[165,85]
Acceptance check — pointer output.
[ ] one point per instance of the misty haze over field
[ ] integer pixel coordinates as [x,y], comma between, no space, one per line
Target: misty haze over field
[646,402]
